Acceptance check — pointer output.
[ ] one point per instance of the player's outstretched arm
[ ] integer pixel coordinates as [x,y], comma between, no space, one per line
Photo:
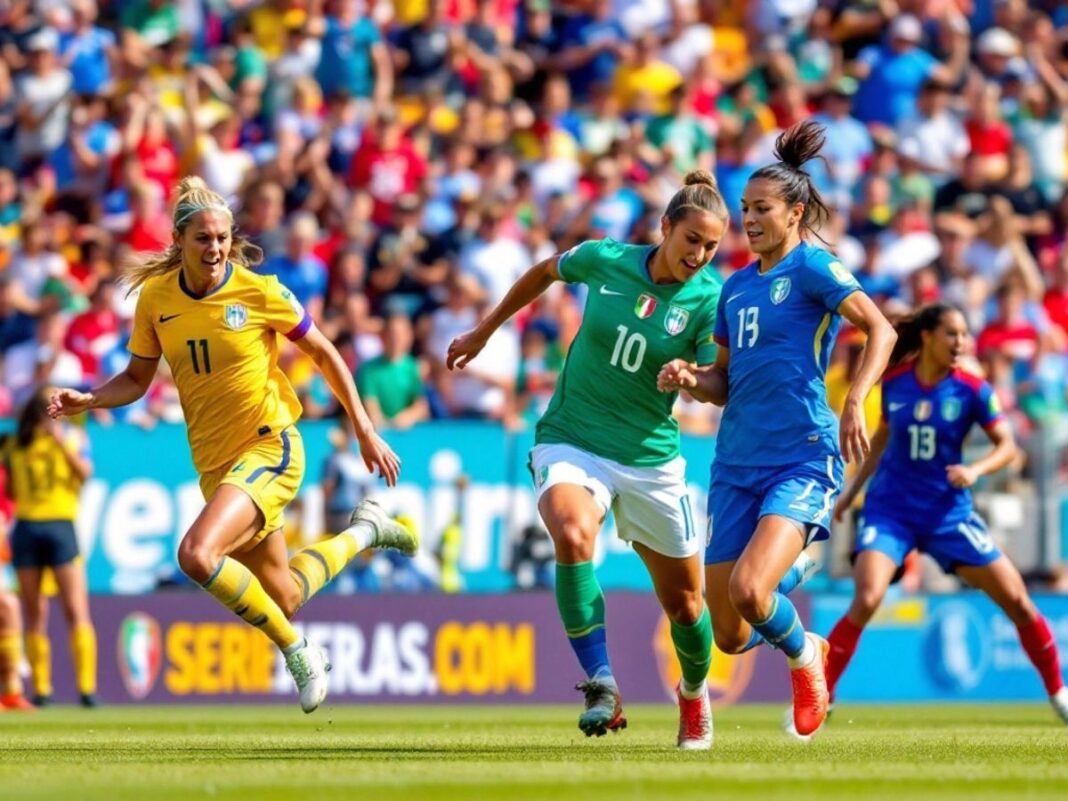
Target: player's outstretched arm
[374,450]
[859,309]
[866,471]
[705,382]
[523,292]
[122,389]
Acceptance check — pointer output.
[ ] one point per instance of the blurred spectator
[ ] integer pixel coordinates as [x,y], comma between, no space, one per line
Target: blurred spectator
[41,361]
[299,269]
[94,332]
[391,385]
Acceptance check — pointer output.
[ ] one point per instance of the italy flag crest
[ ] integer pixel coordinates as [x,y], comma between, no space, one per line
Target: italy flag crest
[645,306]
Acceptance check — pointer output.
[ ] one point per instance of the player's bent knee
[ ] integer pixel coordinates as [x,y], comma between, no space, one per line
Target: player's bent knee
[866,602]
[729,642]
[748,599]
[573,541]
[197,561]
[684,609]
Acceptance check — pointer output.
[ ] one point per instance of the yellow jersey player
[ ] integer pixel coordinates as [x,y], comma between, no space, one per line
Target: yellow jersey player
[47,465]
[216,322]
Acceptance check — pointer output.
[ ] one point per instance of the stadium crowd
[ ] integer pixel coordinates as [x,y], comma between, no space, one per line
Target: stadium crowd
[401,163]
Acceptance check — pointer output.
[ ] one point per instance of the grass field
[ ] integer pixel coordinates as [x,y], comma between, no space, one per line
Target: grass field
[415,753]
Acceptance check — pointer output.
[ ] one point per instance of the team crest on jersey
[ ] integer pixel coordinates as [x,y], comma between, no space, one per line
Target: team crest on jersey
[675,320]
[951,408]
[287,295]
[236,315]
[922,410]
[645,306]
[780,289]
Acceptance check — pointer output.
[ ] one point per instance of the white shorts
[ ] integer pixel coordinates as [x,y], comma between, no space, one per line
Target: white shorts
[651,504]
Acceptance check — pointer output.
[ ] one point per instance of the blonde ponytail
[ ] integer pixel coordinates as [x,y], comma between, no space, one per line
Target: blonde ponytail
[193,196]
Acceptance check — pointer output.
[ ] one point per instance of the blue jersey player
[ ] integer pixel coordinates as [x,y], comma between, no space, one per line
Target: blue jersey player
[919,496]
[778,465]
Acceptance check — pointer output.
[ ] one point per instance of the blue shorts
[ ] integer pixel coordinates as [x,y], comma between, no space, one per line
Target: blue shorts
[739,496]
[959,542]
[43,543]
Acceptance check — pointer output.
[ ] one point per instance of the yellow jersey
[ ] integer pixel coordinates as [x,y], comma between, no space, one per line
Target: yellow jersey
[222,349]
[42,483]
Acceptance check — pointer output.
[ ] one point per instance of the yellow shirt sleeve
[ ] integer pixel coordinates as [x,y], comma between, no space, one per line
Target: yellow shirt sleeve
[143,339]
[283,311]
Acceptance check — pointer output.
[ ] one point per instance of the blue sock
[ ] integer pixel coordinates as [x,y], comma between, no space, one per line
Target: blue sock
[795,575]
[755,639]
[782,629]
[592,652]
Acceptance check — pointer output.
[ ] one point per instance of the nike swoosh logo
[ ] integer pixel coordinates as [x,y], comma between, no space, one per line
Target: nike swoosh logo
[606,291]
[735,295]
[163,319]
[895,406]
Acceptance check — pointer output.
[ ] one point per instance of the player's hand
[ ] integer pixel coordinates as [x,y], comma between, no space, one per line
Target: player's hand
[675,375]
[377,454]
[844,504]
[961,476]
[852,437]
[464,348]
[68,402]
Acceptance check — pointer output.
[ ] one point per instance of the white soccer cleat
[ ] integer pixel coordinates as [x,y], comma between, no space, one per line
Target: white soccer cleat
[695,722]
[790,729]
[388,533]
[1059,702]
[308,666]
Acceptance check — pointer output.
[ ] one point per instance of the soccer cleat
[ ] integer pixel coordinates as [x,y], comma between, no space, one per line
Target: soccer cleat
[89,700]
[16,702]
[810,689]
[791,730]
[1059,700]
[308,667]
[695,722]
[604,708]
[41,700]
[388,532]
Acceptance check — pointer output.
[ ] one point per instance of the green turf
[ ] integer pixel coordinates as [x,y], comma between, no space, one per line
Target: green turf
[517,753]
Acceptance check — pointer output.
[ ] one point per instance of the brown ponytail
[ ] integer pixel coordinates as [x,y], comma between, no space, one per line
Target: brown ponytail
[699,192]
[797,145]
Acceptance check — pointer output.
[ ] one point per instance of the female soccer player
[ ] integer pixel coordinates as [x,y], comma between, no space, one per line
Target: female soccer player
[778,463]
[47,464]
[11,696]
[919,498]
[608,441]
[216,322]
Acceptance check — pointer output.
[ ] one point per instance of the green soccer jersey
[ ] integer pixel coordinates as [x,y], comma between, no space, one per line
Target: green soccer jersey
[606,401]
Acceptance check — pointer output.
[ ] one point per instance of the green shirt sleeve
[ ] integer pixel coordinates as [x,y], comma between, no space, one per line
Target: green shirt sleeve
[578,265]
[706,339]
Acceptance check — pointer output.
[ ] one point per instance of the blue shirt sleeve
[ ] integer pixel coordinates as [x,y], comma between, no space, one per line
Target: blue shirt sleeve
[987,406]
[826,280]
[719,333]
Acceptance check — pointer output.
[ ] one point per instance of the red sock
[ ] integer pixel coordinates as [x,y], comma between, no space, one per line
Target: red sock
[1041,648]
[843,641]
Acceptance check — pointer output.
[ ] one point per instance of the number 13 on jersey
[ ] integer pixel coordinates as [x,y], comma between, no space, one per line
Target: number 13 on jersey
[748,326]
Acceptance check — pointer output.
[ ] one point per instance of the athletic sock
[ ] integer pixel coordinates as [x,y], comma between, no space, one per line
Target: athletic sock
[317,565]
[234,586]
[83,653]
[581,604]
[782,627]
[693,645]
[794,575]
[39,655]
[843,640]
[10,654]
[1041,648]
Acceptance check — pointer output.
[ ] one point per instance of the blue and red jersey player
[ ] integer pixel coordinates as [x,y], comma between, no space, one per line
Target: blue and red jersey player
[919,495]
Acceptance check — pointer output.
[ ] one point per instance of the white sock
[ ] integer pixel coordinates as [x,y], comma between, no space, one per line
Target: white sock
[690,694]
[289,650]
[803,659]
[363,533]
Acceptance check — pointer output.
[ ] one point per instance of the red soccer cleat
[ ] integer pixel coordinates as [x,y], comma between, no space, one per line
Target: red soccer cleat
[695,722]
[16,703]
[810,689]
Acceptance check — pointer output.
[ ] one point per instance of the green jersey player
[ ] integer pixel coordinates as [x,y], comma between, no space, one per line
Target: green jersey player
[608,440]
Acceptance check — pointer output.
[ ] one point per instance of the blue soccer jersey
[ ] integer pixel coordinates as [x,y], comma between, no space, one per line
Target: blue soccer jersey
[780,327]
[928,425]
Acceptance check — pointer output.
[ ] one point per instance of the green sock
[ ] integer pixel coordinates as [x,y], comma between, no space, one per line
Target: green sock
[693,644]
[581,604]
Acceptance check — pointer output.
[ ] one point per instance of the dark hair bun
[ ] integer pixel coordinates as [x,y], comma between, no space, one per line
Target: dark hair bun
[799,143]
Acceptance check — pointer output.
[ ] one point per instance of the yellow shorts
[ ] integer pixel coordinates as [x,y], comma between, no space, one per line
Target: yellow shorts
[269,472]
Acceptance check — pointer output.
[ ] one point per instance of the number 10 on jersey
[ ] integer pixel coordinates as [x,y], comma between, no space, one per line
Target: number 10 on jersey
[629,350]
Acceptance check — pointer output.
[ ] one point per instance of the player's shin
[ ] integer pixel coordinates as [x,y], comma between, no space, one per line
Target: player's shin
[83,653]
[39,655]
[693,645]
[234,586]
[10,654]
[317,565]
[782,628]
[843,641]
[1041,647]
[581,605]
